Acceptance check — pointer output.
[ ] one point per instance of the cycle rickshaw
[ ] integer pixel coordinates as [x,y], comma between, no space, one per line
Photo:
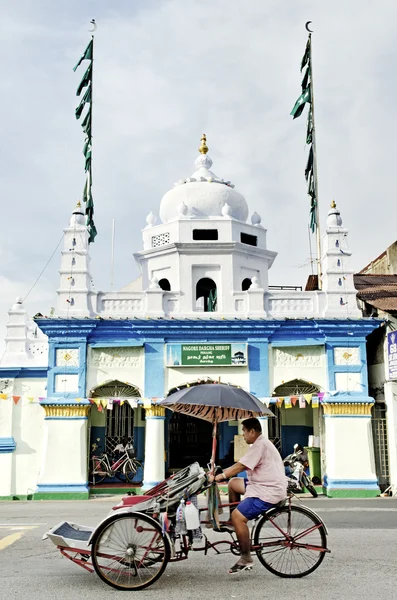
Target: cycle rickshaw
[132,546]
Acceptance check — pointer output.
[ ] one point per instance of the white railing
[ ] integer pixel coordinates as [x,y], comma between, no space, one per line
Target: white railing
[121,303]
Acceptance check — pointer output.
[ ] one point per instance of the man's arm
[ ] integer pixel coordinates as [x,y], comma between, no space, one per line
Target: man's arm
[230,472]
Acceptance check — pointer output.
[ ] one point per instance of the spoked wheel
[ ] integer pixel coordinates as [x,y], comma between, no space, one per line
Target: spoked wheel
[99,472]
[130,469]
[293,542]
[129,551]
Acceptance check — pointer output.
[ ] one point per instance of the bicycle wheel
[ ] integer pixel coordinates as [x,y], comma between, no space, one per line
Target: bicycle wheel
[292,542]
[130,469]
[99,472]
[129,551]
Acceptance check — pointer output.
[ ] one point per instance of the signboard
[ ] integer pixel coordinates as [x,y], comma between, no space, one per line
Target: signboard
[204,355]
[392,354]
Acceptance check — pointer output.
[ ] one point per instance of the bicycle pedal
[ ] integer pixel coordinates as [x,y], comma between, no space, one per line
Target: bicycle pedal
[224,530]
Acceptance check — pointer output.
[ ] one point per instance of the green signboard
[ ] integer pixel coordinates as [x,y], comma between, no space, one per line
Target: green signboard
[196,355]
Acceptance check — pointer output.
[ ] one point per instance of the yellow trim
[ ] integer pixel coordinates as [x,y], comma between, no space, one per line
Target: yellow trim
[66,411]
[353,408]
[155,411]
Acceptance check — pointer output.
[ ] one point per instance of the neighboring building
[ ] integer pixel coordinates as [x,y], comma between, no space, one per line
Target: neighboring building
[201,310]
[377,296]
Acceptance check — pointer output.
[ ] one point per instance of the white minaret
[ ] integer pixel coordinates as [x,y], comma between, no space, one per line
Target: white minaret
[338,283]
[74,295]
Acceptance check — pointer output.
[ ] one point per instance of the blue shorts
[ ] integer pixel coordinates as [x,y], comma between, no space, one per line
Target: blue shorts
[251,508]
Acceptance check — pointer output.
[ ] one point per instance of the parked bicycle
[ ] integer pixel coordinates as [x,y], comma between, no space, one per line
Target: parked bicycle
[122,466]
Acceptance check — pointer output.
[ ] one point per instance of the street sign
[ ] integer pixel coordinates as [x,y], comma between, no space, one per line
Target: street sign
[392,354]
[204,355]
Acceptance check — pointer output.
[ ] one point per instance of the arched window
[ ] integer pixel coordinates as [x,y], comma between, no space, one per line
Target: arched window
[246,283]
[165,285]
[119,420]
[206,295]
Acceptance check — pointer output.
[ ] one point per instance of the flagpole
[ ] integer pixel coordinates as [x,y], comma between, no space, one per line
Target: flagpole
[314,145]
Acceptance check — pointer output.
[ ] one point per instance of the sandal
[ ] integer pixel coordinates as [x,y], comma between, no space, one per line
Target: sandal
[237,568]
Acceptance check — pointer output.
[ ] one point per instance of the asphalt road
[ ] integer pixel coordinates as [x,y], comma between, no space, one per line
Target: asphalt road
[362,537]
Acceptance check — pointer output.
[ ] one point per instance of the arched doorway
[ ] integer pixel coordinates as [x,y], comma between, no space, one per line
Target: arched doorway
[246,284]
[189,438]
[206,295]
[108,427]
[295,424]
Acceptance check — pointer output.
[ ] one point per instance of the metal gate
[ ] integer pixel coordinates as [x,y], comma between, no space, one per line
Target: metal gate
[379,432]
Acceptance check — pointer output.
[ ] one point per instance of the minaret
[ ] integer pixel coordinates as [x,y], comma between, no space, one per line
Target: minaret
[74,296]
[338,283]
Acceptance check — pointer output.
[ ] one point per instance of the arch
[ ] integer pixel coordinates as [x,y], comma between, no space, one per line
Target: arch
[189,438]
[246,284]
[206,295]
[295,424]
[110,428]
[165,284]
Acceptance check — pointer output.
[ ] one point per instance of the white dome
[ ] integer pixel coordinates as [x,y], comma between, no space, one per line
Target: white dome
[204,194]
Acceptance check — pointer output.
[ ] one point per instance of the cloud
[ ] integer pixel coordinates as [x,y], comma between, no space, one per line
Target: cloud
[165,71]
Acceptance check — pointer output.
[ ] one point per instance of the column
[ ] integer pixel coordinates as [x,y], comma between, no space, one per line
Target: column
[349,453]
[154,465]
[391,416]
[258,363]
[154,469]
[7,447]
[64,469]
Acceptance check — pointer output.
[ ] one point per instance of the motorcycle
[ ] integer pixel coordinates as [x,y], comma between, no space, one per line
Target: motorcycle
[295,464]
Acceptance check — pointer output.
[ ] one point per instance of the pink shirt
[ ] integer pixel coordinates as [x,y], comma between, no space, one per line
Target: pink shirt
[266,474]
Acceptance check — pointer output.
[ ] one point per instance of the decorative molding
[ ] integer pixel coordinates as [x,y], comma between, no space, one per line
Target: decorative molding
[67,357]
[291,305]
[351,408]
[115,357]
[122,305]
[347,356]
[67,410]
[155,411]
[308,356]
[7,445]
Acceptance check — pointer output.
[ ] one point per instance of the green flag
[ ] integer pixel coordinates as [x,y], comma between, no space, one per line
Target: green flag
[309,164]
[86,99]
[87,54]
[306,56]
[300,103]
[309,130]
[305,79]
[86,80]
[86,123]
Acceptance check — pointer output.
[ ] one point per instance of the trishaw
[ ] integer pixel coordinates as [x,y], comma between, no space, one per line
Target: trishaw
[131,547]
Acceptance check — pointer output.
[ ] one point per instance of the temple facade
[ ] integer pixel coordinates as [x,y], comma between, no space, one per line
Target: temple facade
[76,382]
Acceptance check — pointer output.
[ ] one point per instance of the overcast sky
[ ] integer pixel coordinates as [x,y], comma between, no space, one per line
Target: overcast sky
[166,71]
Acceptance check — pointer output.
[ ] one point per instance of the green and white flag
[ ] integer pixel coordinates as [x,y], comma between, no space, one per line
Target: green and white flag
[86,123]
[306,98]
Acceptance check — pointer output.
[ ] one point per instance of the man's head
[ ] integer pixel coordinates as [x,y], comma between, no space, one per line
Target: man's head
[251,430]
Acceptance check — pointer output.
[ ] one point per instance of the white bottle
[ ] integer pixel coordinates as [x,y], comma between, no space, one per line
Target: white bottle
[191,516]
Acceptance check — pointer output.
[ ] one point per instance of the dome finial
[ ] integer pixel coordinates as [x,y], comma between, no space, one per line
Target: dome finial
[333,204]
[203,148]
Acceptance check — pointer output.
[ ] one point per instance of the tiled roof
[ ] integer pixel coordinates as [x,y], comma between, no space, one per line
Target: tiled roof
[379,291]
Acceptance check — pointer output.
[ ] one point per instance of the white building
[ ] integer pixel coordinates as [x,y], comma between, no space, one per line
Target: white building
[202,309]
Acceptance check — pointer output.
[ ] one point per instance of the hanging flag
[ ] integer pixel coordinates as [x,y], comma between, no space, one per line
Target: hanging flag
[308,397]
[30,398]
[16,399]
[86,101]
[287,402]
[315,402]
[104,402]
[302,401]
[3,396]
[87,54]
[100,409]
[110,404]
[320,396]
[294,400]
[133,402]
[147,403]
[279,401]
[265,401]
[306,97]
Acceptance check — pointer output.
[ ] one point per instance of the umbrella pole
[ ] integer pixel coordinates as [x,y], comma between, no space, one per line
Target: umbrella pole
[212,463]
